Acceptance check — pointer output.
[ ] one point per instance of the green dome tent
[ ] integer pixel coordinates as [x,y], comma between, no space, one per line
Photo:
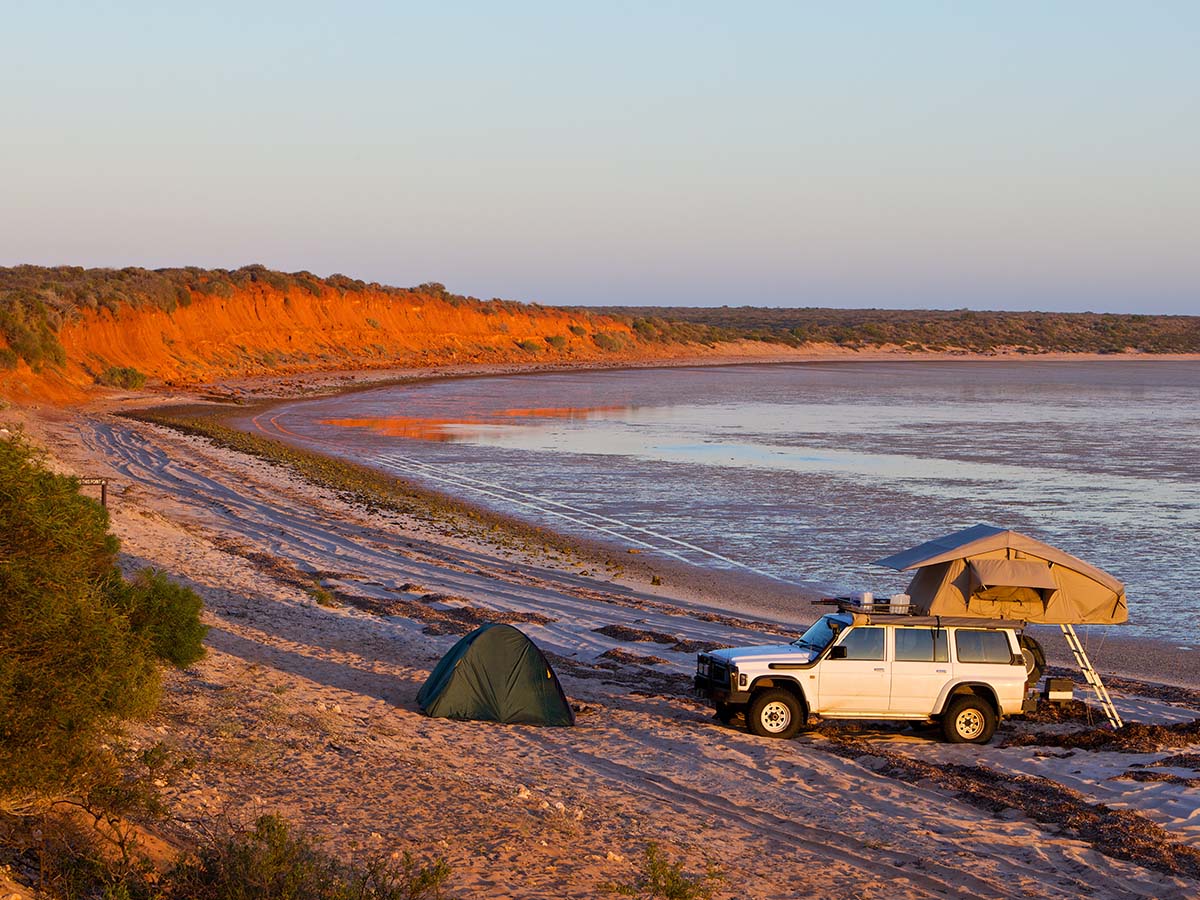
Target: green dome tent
[495,674]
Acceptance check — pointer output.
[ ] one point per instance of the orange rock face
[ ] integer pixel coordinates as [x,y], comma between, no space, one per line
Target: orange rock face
[263,330]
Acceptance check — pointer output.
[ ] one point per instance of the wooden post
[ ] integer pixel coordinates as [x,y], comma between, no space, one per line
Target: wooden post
[103,482]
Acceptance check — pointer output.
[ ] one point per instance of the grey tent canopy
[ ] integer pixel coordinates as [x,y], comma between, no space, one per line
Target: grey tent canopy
[495,674]
[991,572]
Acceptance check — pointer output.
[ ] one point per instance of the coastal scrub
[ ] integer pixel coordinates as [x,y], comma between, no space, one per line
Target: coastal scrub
[79,645]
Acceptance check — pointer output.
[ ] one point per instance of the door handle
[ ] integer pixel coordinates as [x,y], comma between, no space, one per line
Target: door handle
[880,669]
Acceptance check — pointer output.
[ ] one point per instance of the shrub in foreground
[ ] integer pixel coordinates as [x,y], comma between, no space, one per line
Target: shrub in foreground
[79,646]
[276,862]
[271,861]
[167,615]
[661,879]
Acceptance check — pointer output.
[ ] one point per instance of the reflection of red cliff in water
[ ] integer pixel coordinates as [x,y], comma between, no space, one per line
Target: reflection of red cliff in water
[435,429]
[412,428]
[559,412]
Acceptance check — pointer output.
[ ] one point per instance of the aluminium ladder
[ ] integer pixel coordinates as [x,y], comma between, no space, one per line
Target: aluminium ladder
[1092,676]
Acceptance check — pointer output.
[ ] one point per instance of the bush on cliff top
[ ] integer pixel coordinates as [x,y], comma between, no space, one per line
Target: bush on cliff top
[915,329]
[35,300]
[79,645]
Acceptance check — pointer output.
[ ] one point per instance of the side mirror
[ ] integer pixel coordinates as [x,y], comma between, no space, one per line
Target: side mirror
[838,652]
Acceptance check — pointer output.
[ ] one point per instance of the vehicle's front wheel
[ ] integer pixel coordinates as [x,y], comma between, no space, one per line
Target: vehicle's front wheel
[775,713]
[969,720]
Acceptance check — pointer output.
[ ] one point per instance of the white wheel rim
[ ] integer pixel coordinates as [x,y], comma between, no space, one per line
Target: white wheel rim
[969,723]
[775,717]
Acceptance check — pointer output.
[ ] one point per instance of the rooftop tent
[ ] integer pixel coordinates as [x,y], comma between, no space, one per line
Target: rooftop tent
[495,674]
[993,573]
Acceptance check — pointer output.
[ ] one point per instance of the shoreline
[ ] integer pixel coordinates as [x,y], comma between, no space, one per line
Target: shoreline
[268,388]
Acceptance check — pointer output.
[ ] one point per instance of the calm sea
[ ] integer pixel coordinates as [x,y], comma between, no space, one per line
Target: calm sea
[808,472]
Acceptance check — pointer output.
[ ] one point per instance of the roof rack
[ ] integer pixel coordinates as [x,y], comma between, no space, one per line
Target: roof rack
[855,605]
[881,614]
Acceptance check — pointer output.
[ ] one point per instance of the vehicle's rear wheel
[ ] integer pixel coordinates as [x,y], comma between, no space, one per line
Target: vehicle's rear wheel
[726,712]
[775,713]
[1035,659]
[969,720]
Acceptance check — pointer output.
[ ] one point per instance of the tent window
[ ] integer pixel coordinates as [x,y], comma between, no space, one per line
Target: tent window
[982,647]
[864,643]
[921,645]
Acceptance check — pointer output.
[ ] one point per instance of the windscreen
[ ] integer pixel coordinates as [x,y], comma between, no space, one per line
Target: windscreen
[819,635]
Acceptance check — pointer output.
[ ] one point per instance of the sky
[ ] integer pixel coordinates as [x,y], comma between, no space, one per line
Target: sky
[986,155]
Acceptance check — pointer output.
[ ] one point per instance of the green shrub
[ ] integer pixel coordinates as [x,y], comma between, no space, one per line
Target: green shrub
[609,340]
[577,330]
[122,377]
[663,880]
[8,359]
[216,287]
[557,341]
[275,862]
[77,643]
[30,327]
[167,615]
[322,596]
[530,346]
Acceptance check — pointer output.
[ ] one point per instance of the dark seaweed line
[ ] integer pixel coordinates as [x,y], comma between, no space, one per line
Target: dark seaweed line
[1120,834]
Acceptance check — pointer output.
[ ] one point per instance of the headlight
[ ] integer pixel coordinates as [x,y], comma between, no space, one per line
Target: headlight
[702,667]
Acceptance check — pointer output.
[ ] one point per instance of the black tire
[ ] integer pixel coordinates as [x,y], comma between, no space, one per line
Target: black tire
[1035,659]
[726,712]
[969,720]
[775,713]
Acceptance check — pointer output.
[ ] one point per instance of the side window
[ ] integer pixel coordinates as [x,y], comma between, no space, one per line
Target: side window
[864,643]
[982,646]
[922,645]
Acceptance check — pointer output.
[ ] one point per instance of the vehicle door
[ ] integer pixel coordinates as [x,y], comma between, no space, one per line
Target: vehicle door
[920,669]
[858,682]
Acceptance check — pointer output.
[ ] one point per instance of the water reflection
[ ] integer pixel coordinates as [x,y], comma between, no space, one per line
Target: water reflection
[470,427]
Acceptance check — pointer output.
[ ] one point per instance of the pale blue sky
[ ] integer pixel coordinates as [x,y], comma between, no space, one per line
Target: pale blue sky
[988,155]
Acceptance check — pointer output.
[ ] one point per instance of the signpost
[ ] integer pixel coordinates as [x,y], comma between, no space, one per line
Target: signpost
[103,482]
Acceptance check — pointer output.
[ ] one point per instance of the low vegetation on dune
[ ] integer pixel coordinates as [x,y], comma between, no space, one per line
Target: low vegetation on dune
[81,648]
[916,330]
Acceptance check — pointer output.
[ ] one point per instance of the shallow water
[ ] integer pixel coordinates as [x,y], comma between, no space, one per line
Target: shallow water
[808,472]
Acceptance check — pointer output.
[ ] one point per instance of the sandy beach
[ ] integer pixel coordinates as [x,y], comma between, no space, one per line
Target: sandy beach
[327,614]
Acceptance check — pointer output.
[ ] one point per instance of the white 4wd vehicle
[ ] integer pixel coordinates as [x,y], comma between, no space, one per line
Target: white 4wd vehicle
[965,673]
